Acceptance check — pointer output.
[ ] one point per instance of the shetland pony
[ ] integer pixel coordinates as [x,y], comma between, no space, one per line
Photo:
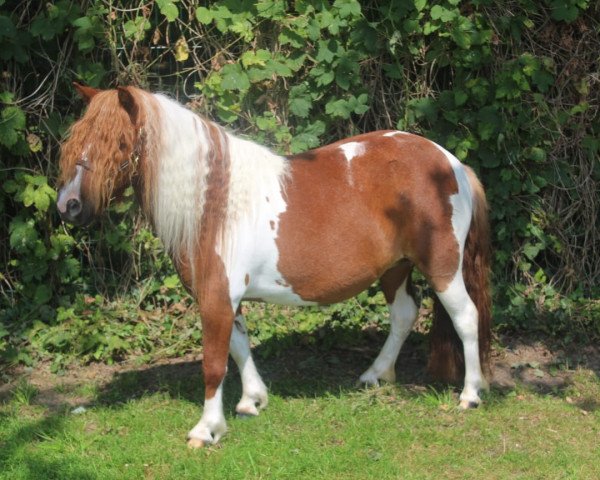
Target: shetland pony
[241,223]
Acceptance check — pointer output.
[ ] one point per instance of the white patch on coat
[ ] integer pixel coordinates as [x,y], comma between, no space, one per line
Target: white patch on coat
[256,201]
[462,201]
[352,150]
[181,167]
[396,132]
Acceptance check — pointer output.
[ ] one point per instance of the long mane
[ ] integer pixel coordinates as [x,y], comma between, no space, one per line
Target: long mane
[200,180]
[194,179]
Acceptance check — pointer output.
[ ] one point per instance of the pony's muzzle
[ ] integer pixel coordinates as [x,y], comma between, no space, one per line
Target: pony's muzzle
[71,209]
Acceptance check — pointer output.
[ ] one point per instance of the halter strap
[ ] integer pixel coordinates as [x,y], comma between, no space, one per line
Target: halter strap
[84,164]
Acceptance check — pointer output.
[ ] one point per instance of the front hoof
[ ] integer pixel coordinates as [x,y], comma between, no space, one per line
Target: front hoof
[203,435]
[195,443]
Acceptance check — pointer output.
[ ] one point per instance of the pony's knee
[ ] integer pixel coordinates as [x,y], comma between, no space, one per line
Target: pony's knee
[213,376]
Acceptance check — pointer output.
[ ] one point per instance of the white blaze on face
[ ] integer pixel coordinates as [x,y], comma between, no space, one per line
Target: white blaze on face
[352,150]
[70,190]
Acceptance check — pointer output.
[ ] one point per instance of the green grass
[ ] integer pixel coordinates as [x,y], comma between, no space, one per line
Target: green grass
[135,428]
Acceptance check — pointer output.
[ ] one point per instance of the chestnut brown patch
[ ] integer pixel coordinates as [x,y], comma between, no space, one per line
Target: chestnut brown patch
[334,241]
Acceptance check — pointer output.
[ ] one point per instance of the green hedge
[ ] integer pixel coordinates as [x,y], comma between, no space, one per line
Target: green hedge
[510,86]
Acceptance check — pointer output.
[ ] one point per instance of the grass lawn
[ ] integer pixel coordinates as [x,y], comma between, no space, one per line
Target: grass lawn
[317,425]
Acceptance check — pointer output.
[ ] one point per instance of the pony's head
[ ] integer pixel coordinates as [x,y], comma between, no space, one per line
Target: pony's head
[100,156]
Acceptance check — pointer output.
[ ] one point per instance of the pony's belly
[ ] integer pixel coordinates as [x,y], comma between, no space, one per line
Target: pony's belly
[277,292]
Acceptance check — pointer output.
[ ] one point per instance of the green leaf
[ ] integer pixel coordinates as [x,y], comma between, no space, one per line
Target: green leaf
[43,294]
[258,57]
[338,108]
[324,75]
[420,4]
[7,28]
[168,9]
[531,251]
[12,123]
[460,97]
[564,10]
[274,9]
[424,107]
[290,37]
[82,22]
[300,101]
[536,154]
[488,122]
[136,28]
[204,15]
[441,13]
[347,8]
[172,282]
[234,78]
[327,50]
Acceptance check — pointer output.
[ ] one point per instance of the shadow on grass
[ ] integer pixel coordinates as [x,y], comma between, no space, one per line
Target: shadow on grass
[34,464]
[330,360]
[307,366]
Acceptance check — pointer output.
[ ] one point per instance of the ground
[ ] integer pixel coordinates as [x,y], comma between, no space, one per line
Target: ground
[302,370]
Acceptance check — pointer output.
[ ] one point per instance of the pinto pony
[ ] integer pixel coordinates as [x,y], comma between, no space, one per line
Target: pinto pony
[241,223]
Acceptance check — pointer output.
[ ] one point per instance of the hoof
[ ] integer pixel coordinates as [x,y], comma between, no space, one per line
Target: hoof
[245,415]
[370,378]
[468,404]
[195,443]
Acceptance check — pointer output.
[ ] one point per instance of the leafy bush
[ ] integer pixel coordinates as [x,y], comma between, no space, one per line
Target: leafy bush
[509,86]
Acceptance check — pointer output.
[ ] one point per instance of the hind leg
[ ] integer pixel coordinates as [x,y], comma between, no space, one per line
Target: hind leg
[464,317]
[403,313]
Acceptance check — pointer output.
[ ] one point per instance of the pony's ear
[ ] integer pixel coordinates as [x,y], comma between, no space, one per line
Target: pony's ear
[128,102]
[86,92]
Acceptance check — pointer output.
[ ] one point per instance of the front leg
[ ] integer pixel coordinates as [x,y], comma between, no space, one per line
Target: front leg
[217,321]
[254,391]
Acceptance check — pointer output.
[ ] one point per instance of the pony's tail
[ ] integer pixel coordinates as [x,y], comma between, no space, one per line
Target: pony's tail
[446,360]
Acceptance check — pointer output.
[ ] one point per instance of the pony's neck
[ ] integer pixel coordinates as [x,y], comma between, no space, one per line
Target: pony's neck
[199,176]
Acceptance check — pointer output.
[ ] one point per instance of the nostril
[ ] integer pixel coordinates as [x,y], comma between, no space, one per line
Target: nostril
[73,207]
